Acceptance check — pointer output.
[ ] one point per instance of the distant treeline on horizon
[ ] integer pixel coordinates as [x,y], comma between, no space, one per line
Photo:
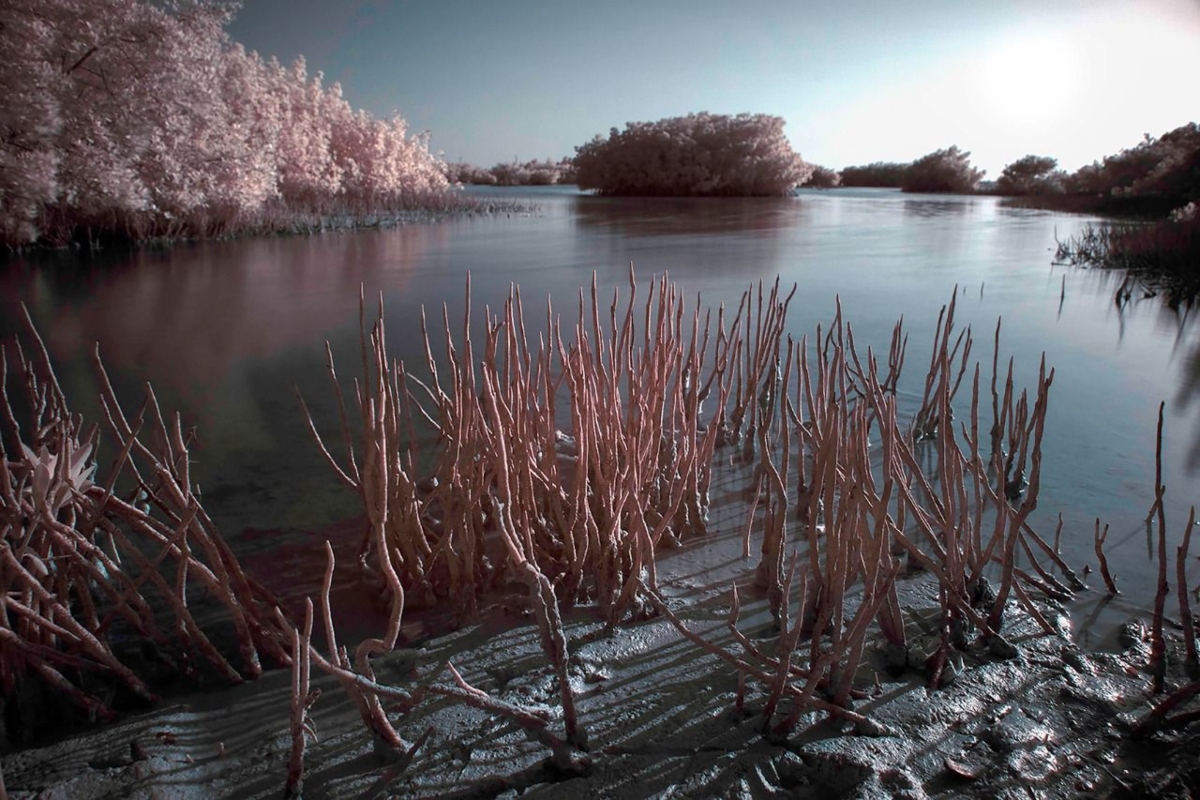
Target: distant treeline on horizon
[1157,175]
[514,173]
[1154,177]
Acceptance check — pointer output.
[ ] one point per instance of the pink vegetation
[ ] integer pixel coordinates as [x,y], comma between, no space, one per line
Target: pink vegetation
[132,118]
[700,154]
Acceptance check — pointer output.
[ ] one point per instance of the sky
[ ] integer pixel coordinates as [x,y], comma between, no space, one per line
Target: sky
[857,81]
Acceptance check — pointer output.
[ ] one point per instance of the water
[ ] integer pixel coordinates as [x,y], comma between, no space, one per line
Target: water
[228,331]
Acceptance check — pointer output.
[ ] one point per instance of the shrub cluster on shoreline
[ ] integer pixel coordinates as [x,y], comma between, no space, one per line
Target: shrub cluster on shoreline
[696,155]
[1152,178]
[878,174]
[138,120]
[822,178]
[942,171]
[1158,180]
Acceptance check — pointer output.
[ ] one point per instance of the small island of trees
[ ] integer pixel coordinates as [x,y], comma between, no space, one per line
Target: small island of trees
[697,155]
[942,171]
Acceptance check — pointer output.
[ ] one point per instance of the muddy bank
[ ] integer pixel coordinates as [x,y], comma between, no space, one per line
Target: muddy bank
[663,719]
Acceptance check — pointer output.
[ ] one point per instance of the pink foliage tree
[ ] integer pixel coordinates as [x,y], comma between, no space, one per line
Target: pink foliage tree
[700,154]
[144,119]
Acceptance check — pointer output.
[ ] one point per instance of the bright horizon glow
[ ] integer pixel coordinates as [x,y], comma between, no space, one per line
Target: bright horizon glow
[1076,80]
[1012,74]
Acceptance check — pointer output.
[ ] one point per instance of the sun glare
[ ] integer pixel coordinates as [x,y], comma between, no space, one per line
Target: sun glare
[1026,82]
[1079,88]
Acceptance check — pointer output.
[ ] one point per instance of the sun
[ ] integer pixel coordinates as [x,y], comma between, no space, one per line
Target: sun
[1027,81]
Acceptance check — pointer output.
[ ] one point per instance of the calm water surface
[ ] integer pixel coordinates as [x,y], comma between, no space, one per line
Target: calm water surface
[227,331]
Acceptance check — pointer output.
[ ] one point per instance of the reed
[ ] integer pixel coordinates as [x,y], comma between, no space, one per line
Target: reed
[564,463]
[508,488]
[83,566]
[303,728]
[1100,537]
[1160,716]
[1186,619]
[819,409]
[579,515]
[1164,250]
[357,679]
[1158,643]
[778,672]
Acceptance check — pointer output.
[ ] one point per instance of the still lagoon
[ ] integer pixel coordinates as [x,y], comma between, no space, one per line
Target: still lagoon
[228,331]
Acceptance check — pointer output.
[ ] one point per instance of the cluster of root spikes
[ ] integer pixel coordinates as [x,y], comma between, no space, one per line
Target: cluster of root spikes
[86,564]
[564,464]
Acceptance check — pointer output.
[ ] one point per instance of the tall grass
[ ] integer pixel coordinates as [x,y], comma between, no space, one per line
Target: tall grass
[1164,252]
[509,489]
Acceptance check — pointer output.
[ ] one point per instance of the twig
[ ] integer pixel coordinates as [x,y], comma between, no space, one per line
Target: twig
[1100,538]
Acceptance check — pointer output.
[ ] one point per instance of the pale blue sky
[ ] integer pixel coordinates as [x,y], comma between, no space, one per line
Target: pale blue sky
[856,80]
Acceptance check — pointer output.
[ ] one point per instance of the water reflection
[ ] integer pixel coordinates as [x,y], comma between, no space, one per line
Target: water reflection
[675,216]
[1176,321]
[1189,396]
[1142,317]
[938,206]
[185,314]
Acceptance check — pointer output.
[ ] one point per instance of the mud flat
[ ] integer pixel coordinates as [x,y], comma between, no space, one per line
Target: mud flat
[663,719]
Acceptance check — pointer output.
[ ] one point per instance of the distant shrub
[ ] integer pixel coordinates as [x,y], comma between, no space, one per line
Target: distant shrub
[823,178]
[462,172]
[1031,175]
[882,174]
[510,174]
[514,173]
[566,171]
[942,171]
[700,154]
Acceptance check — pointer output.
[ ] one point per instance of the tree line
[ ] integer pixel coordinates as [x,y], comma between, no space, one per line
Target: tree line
[536,172]
[1154,177]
